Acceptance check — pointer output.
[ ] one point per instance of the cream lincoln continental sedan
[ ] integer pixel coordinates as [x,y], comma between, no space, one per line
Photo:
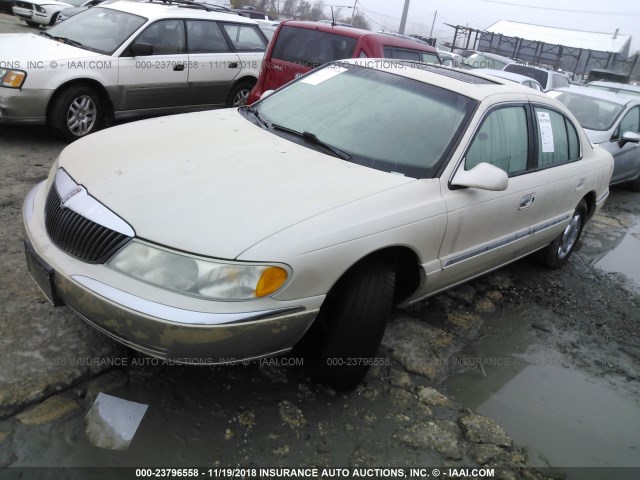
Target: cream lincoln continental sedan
[303,219]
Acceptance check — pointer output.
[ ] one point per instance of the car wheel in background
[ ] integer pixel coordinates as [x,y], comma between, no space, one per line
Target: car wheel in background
[345,337]
[558,252]
[634,185]
[239,94]
[76,112]
[54,19]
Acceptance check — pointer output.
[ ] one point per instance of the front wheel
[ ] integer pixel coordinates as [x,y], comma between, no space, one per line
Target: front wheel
[346,335]
[558,252]
[239,95]
[76,112]
[32,24]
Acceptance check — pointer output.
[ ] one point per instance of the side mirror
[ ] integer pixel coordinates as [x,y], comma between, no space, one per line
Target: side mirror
[266,93]
[141,49]
[629,137]
[483,176]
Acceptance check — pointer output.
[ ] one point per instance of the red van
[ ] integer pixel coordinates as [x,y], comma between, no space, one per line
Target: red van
[298,47]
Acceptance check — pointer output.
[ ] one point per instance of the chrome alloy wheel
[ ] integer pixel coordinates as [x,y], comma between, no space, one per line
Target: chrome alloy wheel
[82,115]
[570,235]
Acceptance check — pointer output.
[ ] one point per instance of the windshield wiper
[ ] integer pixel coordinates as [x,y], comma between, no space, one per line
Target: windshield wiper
[256,114]
[68,41]
[311,138]
[48,35]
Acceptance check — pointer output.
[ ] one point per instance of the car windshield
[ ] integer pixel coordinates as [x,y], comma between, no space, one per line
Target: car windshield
[592,113]
[98,29]
[380,119]
[311,47]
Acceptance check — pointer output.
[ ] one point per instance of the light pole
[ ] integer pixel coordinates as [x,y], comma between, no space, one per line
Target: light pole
[403,20]
[353,14]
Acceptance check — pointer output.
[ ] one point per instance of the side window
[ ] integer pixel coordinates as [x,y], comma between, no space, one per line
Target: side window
[630,123]
[205,37]
[557,138]
[428,57]
[502,141]
[559,81]
[245,37]
[401,53]
[166,37]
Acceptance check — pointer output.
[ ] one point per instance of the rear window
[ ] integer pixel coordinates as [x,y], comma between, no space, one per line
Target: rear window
[539,75]
[311,48]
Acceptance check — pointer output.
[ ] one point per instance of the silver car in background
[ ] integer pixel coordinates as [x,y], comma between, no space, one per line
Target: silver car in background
[611,121]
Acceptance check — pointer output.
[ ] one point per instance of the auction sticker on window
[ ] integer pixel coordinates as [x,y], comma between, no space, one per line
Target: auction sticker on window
[546,132]
[320,76]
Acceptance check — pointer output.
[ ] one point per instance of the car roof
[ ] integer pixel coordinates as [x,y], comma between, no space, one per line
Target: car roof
[465,82]
[156,11]
[599,94]
[621,86]
[359,33]
[514,77]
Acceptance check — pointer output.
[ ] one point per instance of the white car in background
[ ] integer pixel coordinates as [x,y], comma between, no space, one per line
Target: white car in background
[304,218]
[512,77]
[42,13]
[128,59]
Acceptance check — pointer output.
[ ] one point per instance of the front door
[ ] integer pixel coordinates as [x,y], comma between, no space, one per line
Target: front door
[159,80]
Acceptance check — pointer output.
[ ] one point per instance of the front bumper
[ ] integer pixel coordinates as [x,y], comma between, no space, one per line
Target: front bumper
[160,329]
[32,16]
[20,106]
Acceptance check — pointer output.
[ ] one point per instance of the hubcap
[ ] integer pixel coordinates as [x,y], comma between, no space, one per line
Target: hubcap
[81,116]
[570,235]
[241,98]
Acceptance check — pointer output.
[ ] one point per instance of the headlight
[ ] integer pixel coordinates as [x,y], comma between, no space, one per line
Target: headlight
[40,9]
[12,78]
[214,280]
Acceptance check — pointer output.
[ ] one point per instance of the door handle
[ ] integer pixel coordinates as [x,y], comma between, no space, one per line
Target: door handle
[178,67]
[233,64]
[526,201]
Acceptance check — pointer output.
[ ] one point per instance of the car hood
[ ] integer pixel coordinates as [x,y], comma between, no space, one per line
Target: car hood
[597,136]
[26,47]
[213,183]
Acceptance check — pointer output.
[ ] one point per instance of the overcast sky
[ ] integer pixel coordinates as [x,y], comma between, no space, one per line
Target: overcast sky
[588,15]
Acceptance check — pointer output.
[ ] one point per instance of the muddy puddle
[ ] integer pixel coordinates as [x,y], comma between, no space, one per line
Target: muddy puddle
[566,416]
[614,246]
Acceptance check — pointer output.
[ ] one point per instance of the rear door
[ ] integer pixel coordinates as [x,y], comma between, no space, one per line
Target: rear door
[213,65]
[249,43]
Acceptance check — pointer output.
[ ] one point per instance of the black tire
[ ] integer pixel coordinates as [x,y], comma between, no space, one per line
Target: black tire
[54,19]
[345,337]
[634,185]
[558,252]
[239,94]
[76,112]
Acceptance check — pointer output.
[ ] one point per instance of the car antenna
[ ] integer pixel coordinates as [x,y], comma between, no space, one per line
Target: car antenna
[333,18]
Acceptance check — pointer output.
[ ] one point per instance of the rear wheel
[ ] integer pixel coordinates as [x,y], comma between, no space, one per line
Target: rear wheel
[558,252]
[239,94]
[344,339]
[76,112]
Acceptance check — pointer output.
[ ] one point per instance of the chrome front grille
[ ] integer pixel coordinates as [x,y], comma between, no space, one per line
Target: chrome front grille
[78,235]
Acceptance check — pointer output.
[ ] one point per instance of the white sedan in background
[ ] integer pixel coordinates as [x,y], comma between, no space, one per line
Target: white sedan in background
[512,77]
[303,219]
[612,121]
[42,13]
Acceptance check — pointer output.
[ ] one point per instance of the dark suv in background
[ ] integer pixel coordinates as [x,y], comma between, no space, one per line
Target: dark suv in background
[298,47]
